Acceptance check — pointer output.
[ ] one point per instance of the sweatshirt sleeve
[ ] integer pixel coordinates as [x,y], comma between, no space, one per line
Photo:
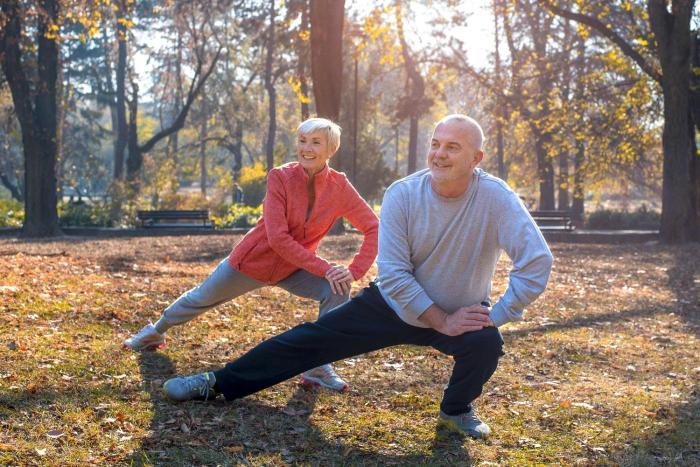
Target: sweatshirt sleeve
[361,216]
[277,230]
[521,239]
[396,277]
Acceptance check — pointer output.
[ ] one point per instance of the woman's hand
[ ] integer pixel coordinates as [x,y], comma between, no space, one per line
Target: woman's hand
[340,278]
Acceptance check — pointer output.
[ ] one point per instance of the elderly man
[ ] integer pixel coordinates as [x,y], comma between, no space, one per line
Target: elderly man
[441,232]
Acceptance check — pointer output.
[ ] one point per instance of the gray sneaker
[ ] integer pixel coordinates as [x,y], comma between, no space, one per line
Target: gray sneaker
[324,376]
[146,339]
[185,388]
[468,423]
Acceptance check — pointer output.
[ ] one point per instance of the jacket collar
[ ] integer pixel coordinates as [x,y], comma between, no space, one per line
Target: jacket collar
[320,178]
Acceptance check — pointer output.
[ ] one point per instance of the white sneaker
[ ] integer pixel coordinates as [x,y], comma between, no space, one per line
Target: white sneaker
[324,376]
[146,339]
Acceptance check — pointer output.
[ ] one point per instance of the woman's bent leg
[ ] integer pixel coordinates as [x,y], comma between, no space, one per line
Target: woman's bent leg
[304,284]
[222,285]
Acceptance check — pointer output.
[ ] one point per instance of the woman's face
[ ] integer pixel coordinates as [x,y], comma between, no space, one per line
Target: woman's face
[313,151]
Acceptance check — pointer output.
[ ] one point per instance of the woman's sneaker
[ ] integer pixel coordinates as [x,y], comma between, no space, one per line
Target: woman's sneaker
[324,376]
[146,339]
[185,388]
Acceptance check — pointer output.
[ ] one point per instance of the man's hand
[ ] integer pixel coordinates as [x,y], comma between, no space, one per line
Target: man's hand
[340,279]
[466,319]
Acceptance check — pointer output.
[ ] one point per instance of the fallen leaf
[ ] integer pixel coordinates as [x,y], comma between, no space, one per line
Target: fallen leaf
[41,452]
[233,449]
[54,434]
[565,404]
[184,428]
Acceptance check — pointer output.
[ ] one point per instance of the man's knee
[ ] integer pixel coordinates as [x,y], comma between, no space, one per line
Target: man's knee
[486,343]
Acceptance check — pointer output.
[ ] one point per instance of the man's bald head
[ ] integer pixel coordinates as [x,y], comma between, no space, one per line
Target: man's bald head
[474,132]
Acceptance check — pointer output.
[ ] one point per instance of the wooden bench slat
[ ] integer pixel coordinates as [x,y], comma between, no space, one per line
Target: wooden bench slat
[150,219]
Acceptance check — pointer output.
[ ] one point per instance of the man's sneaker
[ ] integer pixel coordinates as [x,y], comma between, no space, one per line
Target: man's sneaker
[146,339]
[324,376]
[185,388]
[467,423]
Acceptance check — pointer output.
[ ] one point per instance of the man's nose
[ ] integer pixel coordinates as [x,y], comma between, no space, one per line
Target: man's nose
[439,152]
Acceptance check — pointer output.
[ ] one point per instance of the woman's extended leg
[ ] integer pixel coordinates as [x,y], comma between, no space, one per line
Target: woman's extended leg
[307,285]
[222,285]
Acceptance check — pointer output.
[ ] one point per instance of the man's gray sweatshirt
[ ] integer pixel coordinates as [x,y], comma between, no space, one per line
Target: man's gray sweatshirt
[443,251]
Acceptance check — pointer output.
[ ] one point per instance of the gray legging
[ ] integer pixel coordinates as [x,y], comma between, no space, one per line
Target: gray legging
[226,283]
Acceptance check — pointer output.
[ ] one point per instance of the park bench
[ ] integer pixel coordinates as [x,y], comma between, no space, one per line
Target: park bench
[174,218]
[553,220]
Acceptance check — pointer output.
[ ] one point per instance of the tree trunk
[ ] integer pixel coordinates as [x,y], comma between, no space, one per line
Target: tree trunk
[545,171]
[679,214]
[327,17]
[203,155]
[238,151]
[578,202]
[412,145]
[577,206]
[134,160]
[414,103]
[500,110]
[302,62]
[38,123]
[563,194]
[122,128]
[271,93]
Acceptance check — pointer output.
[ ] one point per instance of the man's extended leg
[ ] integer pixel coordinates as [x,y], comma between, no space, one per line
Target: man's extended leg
[304,284]
[476,357]
[363,324]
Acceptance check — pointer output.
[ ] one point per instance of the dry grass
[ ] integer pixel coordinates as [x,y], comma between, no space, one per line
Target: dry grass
[604,370]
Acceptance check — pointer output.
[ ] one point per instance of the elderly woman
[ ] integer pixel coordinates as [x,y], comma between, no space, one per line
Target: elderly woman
[303,201]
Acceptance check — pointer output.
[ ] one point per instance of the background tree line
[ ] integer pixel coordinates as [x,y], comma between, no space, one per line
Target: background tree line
[138,99]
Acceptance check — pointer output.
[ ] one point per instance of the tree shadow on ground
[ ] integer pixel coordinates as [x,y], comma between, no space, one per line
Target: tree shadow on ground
[230,433]
[678,444]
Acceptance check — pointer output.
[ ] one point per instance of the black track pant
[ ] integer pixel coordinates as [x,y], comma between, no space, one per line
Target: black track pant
[363,324]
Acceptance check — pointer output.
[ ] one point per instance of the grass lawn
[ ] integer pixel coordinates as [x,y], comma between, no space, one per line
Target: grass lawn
[604,370]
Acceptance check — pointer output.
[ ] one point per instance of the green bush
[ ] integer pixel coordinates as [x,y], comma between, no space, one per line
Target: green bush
[11,213]
[83,214]
[253,182]
[238,215]
[608,219]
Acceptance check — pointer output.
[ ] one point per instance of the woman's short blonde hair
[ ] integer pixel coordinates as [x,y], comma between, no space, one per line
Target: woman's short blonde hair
[331,129]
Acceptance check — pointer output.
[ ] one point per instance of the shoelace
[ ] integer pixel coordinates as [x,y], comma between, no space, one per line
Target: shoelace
[200,384]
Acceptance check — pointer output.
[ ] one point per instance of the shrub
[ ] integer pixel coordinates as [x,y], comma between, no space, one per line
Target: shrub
[608,219]
[11,213]
[83,214]
[253,182]
[238,215]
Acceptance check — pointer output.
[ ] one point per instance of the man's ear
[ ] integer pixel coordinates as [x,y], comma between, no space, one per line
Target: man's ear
[479,156]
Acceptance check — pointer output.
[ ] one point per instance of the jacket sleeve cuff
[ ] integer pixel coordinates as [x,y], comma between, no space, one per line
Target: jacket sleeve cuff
[419,304]
[499,315]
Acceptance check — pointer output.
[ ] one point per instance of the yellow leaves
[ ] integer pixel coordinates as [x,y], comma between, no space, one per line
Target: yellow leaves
[305,35]
[643,42]
[296,87]
[127,23]
[582,31]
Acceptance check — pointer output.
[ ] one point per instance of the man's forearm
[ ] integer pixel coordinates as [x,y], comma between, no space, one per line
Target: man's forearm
[433,317]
